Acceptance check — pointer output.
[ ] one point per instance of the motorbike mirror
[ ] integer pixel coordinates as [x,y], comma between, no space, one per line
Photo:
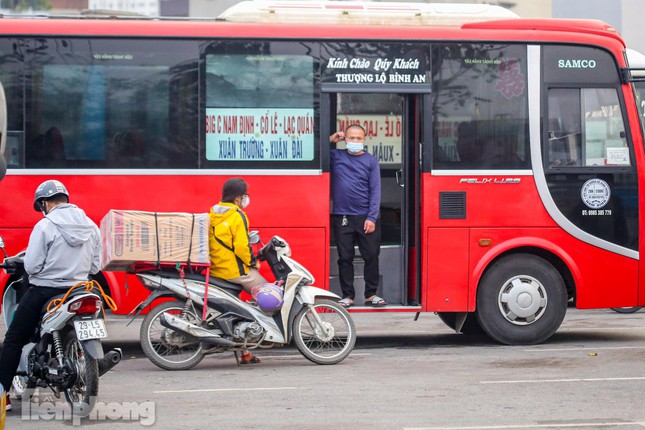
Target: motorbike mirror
[254,237]
[2,246]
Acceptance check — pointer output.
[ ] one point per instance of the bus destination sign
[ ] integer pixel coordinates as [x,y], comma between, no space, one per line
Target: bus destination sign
[397,67]
[260,134]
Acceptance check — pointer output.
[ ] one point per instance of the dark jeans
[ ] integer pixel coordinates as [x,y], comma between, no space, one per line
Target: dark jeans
[23,325]
[369,246]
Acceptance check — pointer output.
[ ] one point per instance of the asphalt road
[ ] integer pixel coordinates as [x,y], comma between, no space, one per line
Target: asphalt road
[403,374]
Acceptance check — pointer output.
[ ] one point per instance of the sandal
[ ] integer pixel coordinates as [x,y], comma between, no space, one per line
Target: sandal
[248,358]
[346,302]
[376,301]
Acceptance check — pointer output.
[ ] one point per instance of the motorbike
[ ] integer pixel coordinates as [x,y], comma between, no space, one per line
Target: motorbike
[200,320]
[65,353]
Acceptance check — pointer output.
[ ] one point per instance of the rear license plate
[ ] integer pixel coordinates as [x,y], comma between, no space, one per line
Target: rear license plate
[90,329]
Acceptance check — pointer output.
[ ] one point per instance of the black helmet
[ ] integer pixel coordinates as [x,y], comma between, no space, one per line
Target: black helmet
[47,190]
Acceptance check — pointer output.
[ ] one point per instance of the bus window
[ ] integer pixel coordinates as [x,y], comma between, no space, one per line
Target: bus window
[640,97]
[11,68]
[117,98]
[586,128]
[259,105]
[636,62]
[480,107]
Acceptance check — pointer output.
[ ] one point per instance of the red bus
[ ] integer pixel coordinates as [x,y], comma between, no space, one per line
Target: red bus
[509,148]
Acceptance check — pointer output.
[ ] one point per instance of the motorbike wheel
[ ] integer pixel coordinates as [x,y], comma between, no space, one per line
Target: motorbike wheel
[166,348]
[330,343]
[83,393]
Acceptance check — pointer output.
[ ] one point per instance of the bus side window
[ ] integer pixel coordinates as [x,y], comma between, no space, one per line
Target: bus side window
[480,107]
[585,128]
[605,142]
[564,132]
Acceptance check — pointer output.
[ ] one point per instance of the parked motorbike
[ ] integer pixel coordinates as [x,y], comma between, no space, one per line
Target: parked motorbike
[65,353]
[177,334]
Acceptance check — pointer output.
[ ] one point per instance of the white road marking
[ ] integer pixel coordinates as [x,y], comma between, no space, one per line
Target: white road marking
[594,348]
[577,329]
[542,381]
[215,390]
[536,426]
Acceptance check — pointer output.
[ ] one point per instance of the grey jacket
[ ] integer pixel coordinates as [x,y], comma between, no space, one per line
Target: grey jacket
[64,248]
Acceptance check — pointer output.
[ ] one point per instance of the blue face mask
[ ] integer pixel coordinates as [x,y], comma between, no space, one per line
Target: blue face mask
[354,147]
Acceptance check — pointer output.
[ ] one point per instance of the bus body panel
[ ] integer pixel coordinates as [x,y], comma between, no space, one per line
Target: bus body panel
[600,278]
[516,201]
[447,274]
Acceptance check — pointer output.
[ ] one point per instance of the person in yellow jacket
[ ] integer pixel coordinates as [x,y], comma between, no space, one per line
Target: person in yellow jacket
[230,249]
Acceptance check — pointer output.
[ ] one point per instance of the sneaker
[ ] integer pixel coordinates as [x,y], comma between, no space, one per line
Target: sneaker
[8,406]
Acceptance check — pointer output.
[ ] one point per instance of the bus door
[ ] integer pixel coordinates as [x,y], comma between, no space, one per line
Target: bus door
[393,131]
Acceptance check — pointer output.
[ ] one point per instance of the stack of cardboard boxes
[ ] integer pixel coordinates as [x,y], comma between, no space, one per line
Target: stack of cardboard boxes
[157,237]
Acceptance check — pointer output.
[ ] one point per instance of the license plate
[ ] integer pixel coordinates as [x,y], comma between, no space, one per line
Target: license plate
[90,329]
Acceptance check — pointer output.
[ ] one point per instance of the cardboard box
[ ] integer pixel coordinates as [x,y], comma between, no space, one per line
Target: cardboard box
[132,236]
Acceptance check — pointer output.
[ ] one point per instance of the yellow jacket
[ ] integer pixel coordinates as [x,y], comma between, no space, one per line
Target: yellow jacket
[230,250]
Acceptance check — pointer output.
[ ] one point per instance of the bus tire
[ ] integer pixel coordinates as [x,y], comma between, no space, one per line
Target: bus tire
[521,300]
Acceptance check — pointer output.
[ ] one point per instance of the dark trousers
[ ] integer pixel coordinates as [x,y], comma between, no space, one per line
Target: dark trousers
[369,246]
[23,325]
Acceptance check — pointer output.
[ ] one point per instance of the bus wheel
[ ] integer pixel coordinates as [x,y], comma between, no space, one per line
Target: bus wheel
[521,300]
[471,325]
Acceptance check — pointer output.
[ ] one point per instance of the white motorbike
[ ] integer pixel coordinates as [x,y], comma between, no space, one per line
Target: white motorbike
[65,353]
[177,334]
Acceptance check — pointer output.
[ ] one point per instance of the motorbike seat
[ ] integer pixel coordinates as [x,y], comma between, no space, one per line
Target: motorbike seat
[75,292]
[232,288]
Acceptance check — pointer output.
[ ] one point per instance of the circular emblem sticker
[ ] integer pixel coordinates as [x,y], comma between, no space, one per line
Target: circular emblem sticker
[595,193]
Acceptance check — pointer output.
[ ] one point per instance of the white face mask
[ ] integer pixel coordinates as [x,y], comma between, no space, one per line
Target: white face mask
[354,147]
[245,201]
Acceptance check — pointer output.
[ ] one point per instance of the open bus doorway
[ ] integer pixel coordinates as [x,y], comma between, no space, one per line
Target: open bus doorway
[391,130]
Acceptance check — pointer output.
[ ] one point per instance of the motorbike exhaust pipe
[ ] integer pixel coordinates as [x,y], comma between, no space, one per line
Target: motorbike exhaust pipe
[193,331]
[109,360]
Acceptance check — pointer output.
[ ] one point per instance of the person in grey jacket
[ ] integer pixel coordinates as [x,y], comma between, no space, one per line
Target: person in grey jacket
[64,249]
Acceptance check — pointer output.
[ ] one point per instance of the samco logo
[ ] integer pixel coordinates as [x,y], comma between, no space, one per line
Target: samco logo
[576,64]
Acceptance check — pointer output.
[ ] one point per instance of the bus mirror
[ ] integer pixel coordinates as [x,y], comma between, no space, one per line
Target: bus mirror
[254,237]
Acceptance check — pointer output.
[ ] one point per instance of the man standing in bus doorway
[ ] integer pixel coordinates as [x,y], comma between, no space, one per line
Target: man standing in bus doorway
[231,255]
[356,198]
[64,235]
